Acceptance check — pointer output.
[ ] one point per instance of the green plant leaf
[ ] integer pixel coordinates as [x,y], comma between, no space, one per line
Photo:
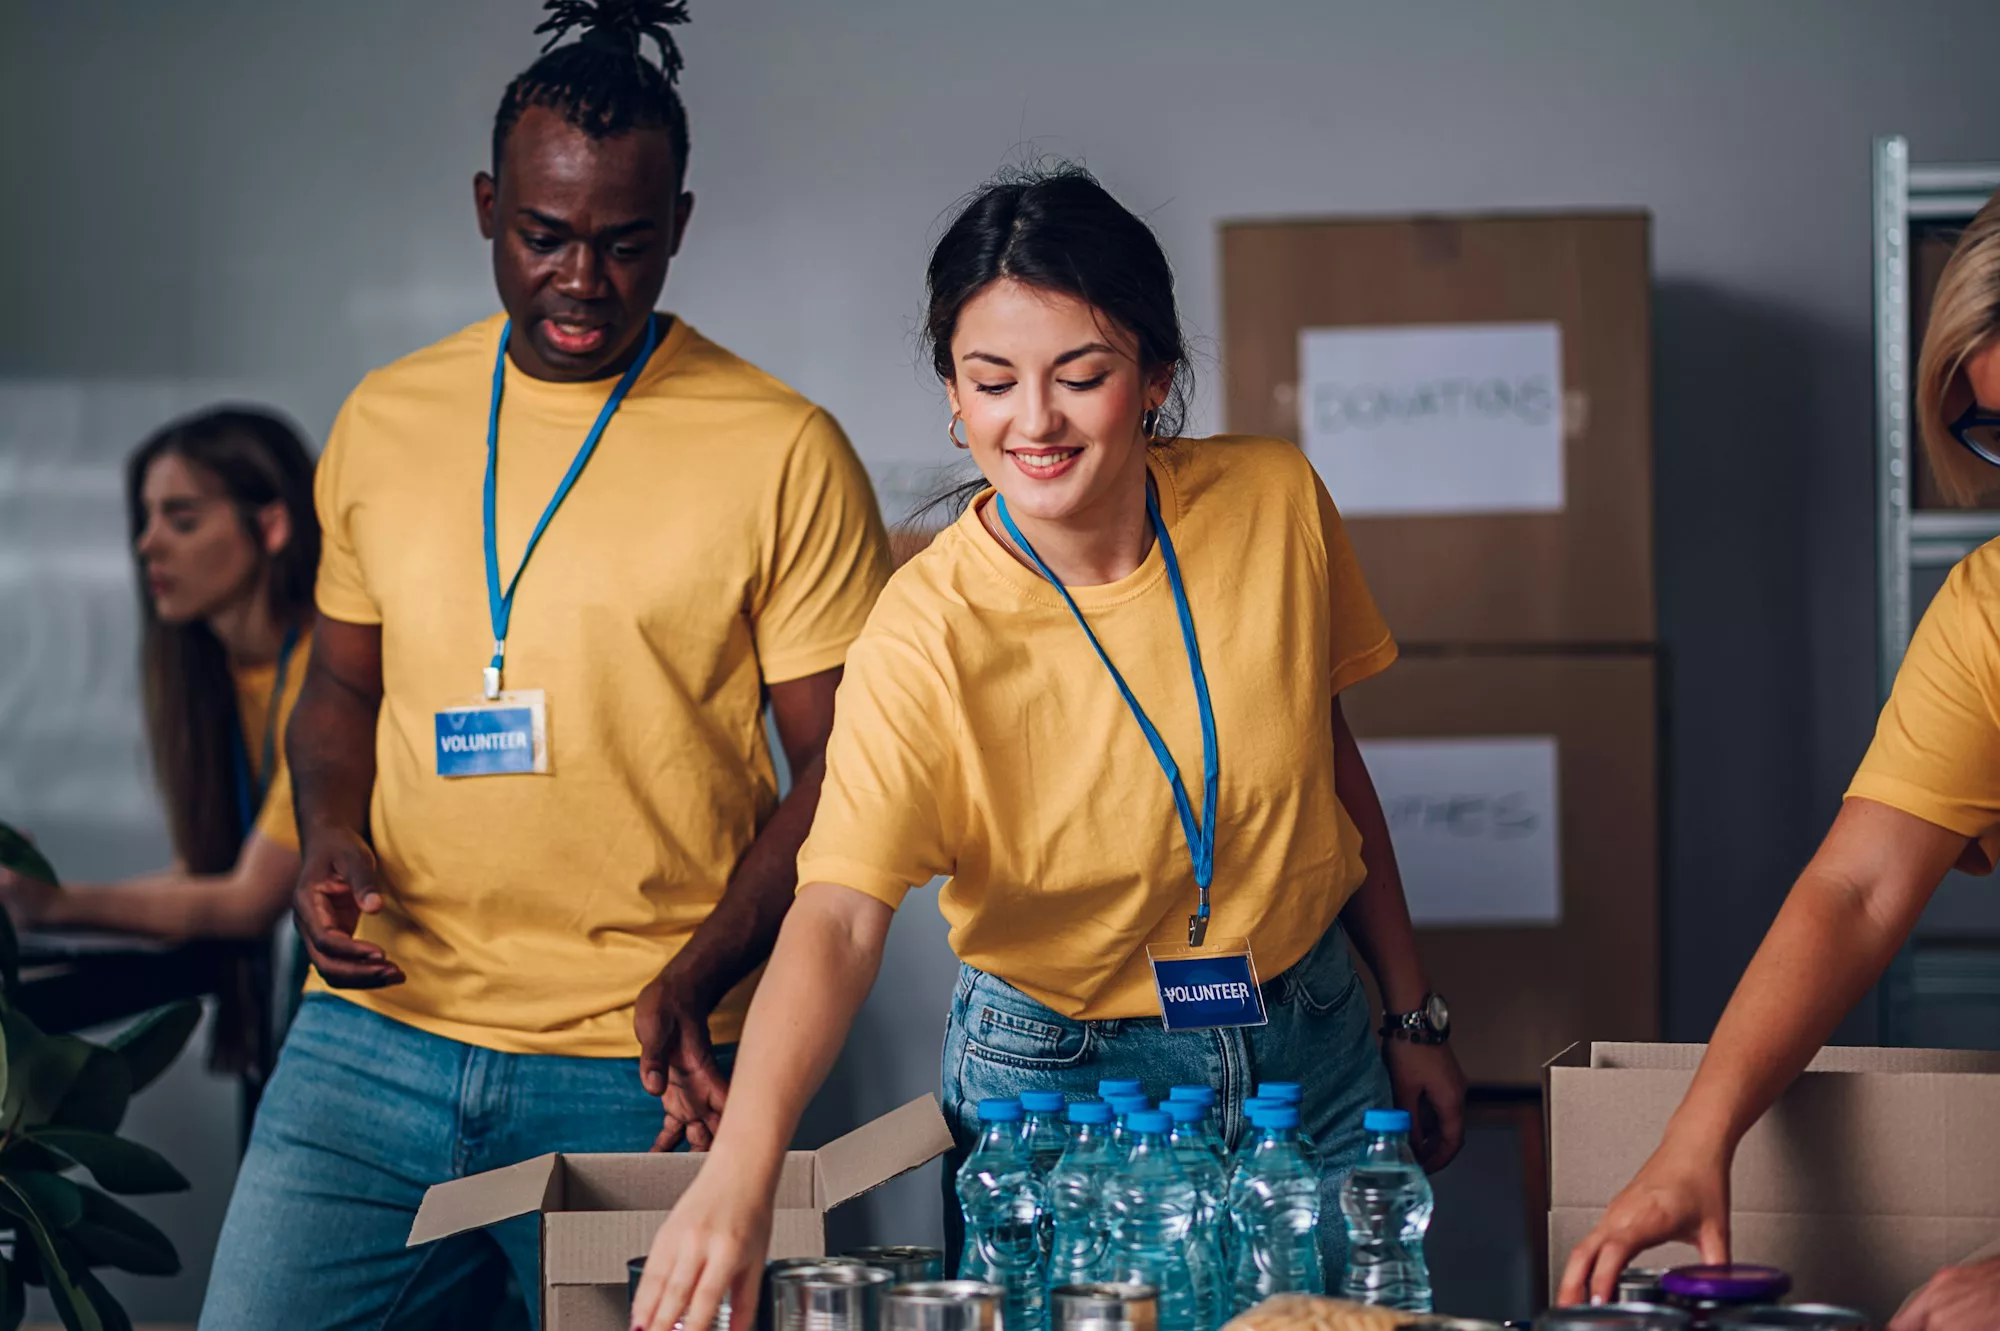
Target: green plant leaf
[113,1234]
[48,1199]
[118,1165]
[41,1069]
[109,1310]
[21,1155]
[98,1094]
[150,1045]
[13,1296]
[21,855]
[72,1304]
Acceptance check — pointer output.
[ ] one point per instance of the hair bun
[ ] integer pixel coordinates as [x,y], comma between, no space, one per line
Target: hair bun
[619,26]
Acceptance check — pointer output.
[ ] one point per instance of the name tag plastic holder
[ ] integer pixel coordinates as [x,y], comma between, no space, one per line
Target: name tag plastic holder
[1207,988]
[506,736]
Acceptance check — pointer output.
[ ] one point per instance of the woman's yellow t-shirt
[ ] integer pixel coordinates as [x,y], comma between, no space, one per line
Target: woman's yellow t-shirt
[1936,753]
[253,709]
[977,736]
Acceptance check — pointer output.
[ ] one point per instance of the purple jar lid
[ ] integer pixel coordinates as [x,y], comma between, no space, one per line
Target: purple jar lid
[1727,1284]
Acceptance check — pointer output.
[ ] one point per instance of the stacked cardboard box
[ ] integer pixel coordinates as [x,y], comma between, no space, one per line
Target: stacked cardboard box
[1476,392]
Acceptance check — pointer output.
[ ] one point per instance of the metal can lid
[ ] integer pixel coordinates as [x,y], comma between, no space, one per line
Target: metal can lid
[1614,1317]
[1732,1283]
[1797,1317]
[832,1273]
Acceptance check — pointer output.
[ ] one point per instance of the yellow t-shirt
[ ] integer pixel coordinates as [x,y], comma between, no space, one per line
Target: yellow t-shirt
[723,536]
[977,735]
[254,712]
[1936,753]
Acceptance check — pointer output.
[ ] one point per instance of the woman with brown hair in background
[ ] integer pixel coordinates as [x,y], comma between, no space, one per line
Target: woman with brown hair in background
[1925,800]
[220,514]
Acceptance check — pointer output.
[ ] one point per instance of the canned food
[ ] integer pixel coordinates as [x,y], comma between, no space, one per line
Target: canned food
[1105,1306]
[828,1297]
[942,1305]
[1640,1284]
[773,1267]
[637,1267]
[1456,1324]
[1615,1317]
[1798,1317]
[907,1264]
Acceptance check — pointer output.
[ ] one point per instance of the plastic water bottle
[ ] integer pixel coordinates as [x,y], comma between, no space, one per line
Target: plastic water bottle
[1293,1094]
[1200,1154]
[1151,1206]
[1076,1196]
[1203,1095]
[1387,1204]
[1110,1086]
[1274,1205]
[1123,1105]
[1003,1201]
[1042,1130]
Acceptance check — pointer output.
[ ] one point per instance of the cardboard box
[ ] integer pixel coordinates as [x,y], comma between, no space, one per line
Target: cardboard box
[1520,994]
[1877,1166]
[1583,574]
[600,1211]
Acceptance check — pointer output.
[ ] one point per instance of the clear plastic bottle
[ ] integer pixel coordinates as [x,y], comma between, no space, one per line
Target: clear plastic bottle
[1274,1207]
[1293,1094]
[1150,1206]
[1200,1154]
[1076,1196]
[1386,1201]
[1042,1130]
[1123,1105]
[1002,1201]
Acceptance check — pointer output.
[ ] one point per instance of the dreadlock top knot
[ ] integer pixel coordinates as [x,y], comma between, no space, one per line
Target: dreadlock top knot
[620,26]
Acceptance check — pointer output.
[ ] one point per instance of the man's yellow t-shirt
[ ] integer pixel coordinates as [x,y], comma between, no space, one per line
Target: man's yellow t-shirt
[978,736]
[1936,753]
[254,685]
[723,536]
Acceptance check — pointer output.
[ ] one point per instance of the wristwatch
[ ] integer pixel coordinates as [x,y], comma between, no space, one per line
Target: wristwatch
[1429,1024]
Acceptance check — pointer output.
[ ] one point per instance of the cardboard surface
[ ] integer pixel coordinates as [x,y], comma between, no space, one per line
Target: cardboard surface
[1877,1166]
[1520,994]
[1581,575]
[599,1211]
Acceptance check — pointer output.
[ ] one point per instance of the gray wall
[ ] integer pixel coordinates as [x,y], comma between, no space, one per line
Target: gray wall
[275,197]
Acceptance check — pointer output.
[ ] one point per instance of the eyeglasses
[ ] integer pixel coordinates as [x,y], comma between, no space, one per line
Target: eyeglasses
[1979,430]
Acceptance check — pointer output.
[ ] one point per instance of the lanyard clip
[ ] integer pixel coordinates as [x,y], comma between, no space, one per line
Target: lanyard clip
[1198,927]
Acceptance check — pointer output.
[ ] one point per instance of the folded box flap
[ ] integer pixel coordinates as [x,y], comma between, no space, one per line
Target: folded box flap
[499,1194]
[876,1152]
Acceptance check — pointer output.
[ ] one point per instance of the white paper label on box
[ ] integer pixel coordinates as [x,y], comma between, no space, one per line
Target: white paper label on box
[1475,825]
[1447,418]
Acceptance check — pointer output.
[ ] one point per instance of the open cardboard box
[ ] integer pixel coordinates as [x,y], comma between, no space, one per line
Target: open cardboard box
[1875,1168]
[600,1211]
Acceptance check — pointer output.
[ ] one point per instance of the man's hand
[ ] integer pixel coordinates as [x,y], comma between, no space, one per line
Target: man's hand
[1958,1298]
[338,884]
[677,1062]
[1426,1081]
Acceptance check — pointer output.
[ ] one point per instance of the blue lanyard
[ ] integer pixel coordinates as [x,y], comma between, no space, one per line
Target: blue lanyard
[499,604]
[249,789]
[1200,836]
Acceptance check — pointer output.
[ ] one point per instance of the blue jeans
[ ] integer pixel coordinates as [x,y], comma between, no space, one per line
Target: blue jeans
[1321,1034]
[362,1115]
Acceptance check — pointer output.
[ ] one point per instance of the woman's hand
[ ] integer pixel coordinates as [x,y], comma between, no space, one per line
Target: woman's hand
[1958,1298]
[712,1246]
[27,899]
[1423,1075]
[1678,1195]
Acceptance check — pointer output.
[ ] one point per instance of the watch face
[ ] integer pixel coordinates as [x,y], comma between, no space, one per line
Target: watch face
[1437,1013]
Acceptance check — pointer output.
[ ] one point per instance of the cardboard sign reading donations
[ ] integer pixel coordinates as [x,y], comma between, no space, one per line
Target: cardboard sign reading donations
[599,1211]
[1463,418]
[1474,823]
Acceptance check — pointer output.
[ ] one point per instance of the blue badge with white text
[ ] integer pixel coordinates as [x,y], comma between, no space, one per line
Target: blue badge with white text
[1204,988]
[506,737]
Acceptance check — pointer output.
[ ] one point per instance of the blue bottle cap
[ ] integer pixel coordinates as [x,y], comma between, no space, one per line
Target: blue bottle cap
[1257,1102]
[1201,1095]
[1148,1120]
[999,1111]
[1042,1102]
[1111,1086]
[1288,1091]
[1386,1120]
[1185,1111]
[1090,1111]
[1275,1116]
[1122,1105]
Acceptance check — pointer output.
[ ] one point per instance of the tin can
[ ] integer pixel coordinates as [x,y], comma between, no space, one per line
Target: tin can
[1455,1324]
[942,1305]
[780,1264]
[1104,1306]
[637,1267]
[1798,1317]
[1640,1284]
[1615,1317]
[909,1265]
[828,1297]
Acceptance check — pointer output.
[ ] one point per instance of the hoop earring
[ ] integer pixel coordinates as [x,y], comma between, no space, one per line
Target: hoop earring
[1149,422]
[951,432]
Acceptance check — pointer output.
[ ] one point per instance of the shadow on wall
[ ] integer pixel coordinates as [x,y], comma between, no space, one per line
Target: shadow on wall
[1757,467]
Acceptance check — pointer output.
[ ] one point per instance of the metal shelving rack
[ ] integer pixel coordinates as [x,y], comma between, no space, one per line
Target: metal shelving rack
[1909,541]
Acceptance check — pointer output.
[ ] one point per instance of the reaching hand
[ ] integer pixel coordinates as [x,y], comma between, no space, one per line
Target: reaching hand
[26,898]
[1675,1196]
[677,1062]
[1427,1082]
[339,882]
[1958,1298]
[711,1247]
